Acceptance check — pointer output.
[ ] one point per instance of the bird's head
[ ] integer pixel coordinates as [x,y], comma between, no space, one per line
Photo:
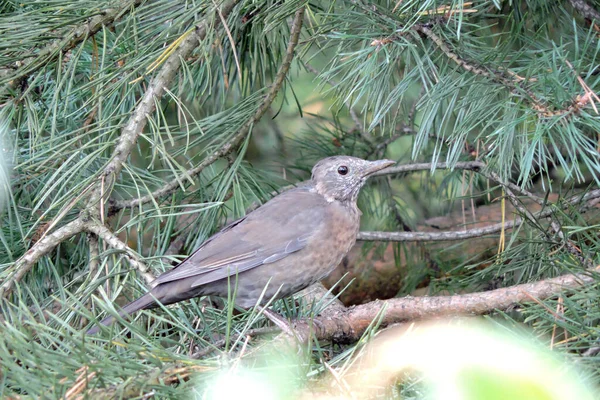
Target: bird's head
[341,177]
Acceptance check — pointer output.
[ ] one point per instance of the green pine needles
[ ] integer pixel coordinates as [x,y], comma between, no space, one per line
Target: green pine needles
[133,130]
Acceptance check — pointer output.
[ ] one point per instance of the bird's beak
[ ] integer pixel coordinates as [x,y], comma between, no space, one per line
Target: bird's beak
[378,165]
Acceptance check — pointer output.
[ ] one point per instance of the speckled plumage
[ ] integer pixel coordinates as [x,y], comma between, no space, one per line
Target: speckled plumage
[289,243]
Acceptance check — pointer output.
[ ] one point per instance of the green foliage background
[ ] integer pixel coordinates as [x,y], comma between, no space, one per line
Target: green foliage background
[508,83]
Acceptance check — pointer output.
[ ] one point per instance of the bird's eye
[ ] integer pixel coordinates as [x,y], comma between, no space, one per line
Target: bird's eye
[343,170]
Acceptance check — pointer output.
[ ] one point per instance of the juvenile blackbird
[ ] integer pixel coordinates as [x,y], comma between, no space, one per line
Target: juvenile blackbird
[289,243]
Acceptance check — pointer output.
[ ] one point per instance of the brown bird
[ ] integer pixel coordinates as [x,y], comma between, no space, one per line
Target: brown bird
[289,243]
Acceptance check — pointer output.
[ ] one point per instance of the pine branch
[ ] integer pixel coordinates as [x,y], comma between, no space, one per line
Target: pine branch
[511,81]
[113,241]
[138,119]
[17,73]
[586,10]
[348,325]
[476,166]
[127,141]
[18,270]
[234,142]
[84,91]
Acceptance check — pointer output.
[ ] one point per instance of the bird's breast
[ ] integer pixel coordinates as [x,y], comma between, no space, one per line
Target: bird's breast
[334,240]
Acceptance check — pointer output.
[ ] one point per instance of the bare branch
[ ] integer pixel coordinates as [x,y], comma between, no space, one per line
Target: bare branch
[476,166]
[586,10]
[399,169]
[240,135]
[366,236]
[509,187]
[31,63]
[113,241]
[469,233]
[40,249]
[348,325]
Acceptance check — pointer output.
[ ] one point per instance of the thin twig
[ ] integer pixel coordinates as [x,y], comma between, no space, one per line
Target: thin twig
[511,186]
[477,166]
[231,42]
[403,168]
[232,144]
[469,233]
[572,248]
[366,236]
[517,205]
[586,262]
[591,352]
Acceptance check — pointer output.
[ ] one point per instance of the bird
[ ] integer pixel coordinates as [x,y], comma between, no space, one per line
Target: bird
[289,243]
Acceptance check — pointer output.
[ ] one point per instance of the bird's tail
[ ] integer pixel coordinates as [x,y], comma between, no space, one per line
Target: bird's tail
[146,301]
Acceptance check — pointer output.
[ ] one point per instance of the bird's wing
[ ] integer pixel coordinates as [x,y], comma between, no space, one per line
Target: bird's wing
[279,228]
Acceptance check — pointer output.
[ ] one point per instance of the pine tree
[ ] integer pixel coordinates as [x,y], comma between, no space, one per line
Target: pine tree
[133,130]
